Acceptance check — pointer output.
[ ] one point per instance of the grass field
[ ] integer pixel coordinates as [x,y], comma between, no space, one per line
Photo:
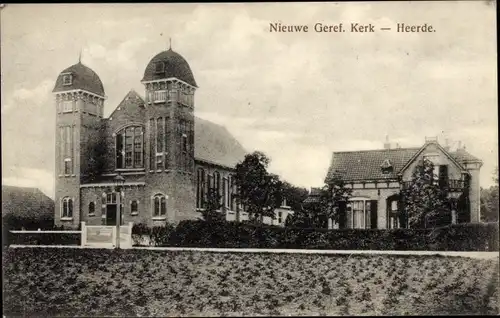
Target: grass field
[85,282]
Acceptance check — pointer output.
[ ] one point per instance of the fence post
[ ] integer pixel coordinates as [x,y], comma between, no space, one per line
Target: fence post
[83,235]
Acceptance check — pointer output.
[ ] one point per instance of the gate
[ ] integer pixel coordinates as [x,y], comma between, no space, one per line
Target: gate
[104,236]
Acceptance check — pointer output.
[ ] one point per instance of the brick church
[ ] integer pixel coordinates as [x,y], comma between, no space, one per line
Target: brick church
[167,156]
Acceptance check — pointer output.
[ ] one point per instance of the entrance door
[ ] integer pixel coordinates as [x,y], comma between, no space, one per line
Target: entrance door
[111,214]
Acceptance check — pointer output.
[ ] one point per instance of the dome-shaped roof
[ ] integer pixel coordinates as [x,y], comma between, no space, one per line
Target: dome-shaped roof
[169,64]
[82,77]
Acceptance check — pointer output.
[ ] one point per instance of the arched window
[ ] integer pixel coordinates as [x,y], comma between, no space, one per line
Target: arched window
[67,207]
[134,207]
[91,208]
[200,188]
[159,205]
[129,148]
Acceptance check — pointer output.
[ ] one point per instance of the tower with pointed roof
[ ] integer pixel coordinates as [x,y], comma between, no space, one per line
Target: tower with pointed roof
[79,103]
[169,105]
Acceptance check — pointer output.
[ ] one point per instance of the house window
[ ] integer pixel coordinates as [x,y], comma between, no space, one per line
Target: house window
[393,219]
[91,208]
[159,205]
[359,214]
[159,67]
[67,208]
[200,188]
[129,148]
[67,79]
[280,217]
[134,207]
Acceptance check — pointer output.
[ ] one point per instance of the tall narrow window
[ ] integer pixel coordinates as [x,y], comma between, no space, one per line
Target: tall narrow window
[152,143]
[226,193]
[67,208]
[134,207]
[138,144]
[159,205]
[129,137]
[159,143]
[200,188]
[217,184]
[91,208]
[67,158]
[166,133]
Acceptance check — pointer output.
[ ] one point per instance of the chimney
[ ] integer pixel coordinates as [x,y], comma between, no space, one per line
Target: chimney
[387,145]
[446,145]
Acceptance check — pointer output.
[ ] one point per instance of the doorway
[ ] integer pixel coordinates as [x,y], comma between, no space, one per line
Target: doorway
[110,214]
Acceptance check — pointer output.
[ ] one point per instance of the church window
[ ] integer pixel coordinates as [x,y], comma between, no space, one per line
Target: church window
[67,79]
[67,207]
[91,208]
[67,149]
[226,193]
[200,188]
[129,148]
[159,205]
[216,185]
[159,143]
[134,207]
[159,67]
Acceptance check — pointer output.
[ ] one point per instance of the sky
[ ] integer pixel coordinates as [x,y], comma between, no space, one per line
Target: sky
[295,96]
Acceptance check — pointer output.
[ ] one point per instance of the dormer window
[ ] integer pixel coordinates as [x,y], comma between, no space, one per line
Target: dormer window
[386,166]
[67,79]
[159,67]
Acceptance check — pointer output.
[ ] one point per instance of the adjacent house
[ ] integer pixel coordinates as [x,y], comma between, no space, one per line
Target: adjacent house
[378,176]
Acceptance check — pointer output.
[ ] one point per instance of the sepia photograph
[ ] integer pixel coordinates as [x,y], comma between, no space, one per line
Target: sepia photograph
[250,159]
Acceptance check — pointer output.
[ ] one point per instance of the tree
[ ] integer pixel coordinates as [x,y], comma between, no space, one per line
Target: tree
[424,199]
[293,195]
[213,204]
[330,204]
[489,201]
[259,191]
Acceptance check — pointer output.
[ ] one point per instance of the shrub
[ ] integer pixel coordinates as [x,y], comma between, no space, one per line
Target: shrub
[222,234]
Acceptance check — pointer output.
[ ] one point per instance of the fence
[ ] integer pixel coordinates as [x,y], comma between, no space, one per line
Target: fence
[99,236]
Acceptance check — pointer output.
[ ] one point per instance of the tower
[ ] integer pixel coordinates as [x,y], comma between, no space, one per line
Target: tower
[169,100]
[79,100]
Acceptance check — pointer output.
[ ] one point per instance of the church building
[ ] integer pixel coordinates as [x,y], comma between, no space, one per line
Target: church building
[168,157]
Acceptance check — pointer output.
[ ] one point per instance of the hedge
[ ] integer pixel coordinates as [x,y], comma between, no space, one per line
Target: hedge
[198,233]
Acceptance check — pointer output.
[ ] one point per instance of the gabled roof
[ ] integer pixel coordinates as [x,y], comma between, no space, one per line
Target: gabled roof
[366,165]
[132,101]
[26,202]
[215,144]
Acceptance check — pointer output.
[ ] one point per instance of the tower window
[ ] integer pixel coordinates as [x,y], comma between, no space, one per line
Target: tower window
[67,106]
[159,67]
[67,166]
[67,79]
[67,207]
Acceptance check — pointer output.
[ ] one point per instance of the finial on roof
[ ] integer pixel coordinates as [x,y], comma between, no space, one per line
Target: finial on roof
[169,43]
[80,56]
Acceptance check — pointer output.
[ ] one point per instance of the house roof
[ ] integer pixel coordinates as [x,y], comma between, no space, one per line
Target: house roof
[314,195]
[26,202]
[366,165]
[83,77]
[174,65]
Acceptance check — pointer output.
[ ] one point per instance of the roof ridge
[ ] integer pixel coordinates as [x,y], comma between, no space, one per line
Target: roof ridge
[374,150]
